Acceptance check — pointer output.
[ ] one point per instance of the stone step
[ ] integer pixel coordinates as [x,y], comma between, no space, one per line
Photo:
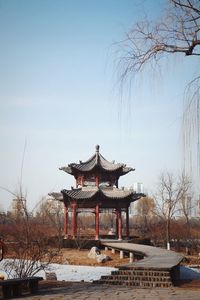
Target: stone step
[138,283]
[139,278]
[143,278]
[141,273]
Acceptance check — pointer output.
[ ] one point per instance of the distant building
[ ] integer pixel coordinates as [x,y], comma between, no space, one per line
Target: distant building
[138,188]
[18,207]
[132,209]
[185,207]
[189,206]
[197,208]
[52,206]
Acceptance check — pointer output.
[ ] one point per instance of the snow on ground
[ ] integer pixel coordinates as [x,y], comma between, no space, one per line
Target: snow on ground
[88,273]
[77,273]
[71,272]
[189,273]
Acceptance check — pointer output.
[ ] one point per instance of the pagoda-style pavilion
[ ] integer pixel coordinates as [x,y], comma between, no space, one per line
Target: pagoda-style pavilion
[97,190]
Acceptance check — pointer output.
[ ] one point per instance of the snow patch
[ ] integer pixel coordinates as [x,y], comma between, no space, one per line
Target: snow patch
[72,272]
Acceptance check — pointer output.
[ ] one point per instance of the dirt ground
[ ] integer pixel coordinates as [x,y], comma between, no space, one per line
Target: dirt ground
[80,258]
[191,260]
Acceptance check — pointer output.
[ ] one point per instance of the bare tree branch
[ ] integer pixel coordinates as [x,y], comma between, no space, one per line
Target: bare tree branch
[171,196]
[176,32]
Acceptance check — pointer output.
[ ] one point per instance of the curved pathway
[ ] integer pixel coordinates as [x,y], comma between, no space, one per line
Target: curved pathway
[158,268]
[154,257]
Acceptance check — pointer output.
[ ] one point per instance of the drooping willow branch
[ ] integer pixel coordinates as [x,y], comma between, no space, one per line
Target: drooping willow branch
[177,32]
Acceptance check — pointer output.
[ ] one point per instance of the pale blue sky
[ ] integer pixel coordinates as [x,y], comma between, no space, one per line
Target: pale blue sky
[58,90]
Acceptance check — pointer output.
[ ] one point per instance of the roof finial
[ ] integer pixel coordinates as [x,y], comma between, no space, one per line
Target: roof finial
[97,148]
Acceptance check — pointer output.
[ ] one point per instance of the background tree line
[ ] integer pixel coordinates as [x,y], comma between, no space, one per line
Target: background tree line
[165,219]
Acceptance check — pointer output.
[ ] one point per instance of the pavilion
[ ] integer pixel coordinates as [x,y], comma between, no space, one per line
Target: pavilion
[97,189]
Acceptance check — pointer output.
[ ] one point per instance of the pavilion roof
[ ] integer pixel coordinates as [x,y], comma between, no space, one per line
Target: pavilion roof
[56,195]
[97,162]
[87,193]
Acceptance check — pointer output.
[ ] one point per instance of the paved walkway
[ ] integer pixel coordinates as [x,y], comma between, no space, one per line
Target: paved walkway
[89,291]
[154,257]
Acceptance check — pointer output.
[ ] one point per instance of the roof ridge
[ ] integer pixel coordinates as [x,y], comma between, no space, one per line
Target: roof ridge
[97,162]
[112,162]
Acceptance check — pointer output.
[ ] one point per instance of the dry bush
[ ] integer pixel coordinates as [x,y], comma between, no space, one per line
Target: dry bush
[28,247]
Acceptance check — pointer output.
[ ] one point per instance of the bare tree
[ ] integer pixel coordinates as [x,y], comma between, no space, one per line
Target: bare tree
[171,191]
[146,209]
[51,211]
[29,250]
[177,31]
[185,203]
[186,206]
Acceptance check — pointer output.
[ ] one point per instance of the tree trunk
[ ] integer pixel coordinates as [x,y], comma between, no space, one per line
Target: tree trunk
[168,233]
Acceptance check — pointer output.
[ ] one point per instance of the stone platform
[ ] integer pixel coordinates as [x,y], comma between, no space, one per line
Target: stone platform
[89,291]
[158,268]
[154,257]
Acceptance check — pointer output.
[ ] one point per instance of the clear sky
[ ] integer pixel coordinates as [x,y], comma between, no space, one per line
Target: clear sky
[58,93]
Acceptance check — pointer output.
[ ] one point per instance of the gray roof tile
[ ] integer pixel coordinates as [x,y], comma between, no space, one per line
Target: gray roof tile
[109,193]
[79,193]
[97,161]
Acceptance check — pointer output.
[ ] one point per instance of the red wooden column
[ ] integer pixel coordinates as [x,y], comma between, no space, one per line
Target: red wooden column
[97,222]
[117,183]
[74,220]
[65,221]
[127,222]
[119,224]
[96,180]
